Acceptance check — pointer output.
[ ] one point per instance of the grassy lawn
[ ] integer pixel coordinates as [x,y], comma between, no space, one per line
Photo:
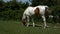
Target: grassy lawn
[16,27]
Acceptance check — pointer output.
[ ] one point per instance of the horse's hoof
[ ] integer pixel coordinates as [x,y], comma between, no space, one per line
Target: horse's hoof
[27,25]
[33,25]
[44,27]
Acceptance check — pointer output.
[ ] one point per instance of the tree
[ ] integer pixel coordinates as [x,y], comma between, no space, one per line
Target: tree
[44,2]
[2,5]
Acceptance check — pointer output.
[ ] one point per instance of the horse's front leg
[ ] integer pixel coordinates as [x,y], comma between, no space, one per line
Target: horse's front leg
[33,22]
[27,21]
[44,19]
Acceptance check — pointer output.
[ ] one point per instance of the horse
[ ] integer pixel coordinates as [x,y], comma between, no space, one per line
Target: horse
[30,11]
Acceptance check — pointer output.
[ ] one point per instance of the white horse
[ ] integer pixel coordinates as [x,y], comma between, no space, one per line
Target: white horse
[34,11]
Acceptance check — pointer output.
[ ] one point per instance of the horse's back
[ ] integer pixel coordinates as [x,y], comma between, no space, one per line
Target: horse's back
[42,9]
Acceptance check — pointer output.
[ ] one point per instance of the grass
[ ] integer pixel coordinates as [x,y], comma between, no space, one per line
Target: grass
[16,27]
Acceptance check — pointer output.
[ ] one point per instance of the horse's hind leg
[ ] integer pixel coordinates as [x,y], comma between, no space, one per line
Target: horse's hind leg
[44,19]
[27,21]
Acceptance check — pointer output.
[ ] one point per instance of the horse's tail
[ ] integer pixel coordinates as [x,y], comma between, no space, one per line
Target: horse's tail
[24,20]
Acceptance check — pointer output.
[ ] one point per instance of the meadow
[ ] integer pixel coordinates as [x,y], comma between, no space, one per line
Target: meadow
[16,27]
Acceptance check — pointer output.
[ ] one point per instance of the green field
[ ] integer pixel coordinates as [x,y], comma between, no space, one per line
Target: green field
[16,27]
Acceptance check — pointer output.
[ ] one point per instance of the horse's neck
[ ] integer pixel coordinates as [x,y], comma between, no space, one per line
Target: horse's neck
[29,11]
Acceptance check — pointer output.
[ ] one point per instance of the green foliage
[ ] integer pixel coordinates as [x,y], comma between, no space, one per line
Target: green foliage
[56,13]
[45,2]
[55,9]
[12,10]
[12,14]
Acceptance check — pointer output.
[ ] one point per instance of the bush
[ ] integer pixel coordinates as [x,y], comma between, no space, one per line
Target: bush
[12,14]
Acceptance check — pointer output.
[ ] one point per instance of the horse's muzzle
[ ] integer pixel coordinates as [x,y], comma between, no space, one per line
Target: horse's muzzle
[24,22]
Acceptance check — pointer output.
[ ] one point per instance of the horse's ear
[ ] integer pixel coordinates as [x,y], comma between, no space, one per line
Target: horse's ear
[36,10]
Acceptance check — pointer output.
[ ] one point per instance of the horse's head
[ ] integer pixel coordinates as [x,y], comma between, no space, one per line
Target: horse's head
[24,22]
[36,11]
